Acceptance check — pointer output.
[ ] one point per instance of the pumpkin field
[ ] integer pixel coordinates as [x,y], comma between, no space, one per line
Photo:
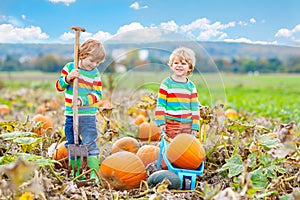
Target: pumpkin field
[249,139]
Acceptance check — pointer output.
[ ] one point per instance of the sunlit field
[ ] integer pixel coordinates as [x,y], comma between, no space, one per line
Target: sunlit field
[267,95]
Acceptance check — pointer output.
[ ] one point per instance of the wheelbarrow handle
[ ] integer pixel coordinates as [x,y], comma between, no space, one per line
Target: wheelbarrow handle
[161,148]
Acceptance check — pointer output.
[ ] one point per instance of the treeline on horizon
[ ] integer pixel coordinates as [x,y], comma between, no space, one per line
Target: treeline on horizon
[54,63]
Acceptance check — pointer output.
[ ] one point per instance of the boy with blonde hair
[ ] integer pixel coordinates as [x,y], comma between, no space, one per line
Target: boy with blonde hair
[91,54]
[177,109]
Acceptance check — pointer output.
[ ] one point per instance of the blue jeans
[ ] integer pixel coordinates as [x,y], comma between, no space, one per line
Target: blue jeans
[87,131]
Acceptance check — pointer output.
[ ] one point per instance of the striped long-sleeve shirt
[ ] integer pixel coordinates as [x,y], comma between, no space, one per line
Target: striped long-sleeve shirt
[177,101]
[89,90]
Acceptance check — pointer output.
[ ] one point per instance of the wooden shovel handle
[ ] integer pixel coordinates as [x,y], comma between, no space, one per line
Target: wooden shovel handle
[75,83]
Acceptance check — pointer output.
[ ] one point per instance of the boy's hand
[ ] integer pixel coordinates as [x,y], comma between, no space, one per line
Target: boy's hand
[162,128]
[72,75]
[194,132]
[79,102]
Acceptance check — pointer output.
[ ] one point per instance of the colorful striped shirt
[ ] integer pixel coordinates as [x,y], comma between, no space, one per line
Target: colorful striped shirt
[89,90]
[178,101]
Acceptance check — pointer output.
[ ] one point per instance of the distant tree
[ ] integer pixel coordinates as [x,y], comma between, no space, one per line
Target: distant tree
[248,65]
[11,63]
[292,65]
[50,63]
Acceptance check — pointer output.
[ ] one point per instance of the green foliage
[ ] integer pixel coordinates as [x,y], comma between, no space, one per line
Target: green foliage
[234,165]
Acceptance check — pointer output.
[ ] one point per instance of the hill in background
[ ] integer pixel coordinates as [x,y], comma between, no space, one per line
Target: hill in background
[213,49]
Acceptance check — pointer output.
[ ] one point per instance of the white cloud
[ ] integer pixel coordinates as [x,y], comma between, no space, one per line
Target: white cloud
[66,2]
[67,36]
[201,24]
[170,25]
[103,36]
[246,40]
[242,23]
[137,6]
[283,33]
[130,27]
[70,36]
[208,34]
[206,30]
[205,24]
[11,34]
[292,34]
[23,16]
[296,29]
[10,20]
[252,21]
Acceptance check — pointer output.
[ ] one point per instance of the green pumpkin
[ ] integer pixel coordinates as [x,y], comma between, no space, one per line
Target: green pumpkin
[158,176]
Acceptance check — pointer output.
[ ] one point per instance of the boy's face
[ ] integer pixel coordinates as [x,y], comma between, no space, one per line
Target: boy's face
[180,67]
[89,63]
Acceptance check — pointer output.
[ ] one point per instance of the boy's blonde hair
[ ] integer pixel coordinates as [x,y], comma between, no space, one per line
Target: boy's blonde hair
[92,48]
[186,54]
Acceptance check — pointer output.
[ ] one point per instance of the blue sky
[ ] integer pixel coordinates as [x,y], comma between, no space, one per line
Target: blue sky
[251,21]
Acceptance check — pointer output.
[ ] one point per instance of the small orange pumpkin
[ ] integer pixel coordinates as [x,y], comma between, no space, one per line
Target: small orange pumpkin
[61,152]
[46,128]
[125,144]
[144,131]
[123,170]
[4,110]
[148,153]
[139,119]
[185,151]
[105,103]
[231,113]
[53,105]
[143,112]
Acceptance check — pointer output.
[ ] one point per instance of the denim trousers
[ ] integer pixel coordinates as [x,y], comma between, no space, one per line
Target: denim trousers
[87,131]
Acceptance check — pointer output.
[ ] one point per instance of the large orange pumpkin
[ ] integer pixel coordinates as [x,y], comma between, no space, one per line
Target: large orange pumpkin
[123,170]
[148,154]
[145,129]
[125,144]
[185,151]
[4,110]
[47,125]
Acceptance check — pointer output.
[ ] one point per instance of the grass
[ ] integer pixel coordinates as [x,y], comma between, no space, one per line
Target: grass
[268,95]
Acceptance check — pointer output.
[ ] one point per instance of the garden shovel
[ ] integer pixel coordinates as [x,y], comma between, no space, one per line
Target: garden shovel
[77,154]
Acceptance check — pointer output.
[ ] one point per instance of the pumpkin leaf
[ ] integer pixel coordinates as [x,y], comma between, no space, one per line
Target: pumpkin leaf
[15,134]
[268,142]
[269,171]
[252,159]
[240,127]
[279,169]
[27,140]
[259,178]
[234,165]
[266,160]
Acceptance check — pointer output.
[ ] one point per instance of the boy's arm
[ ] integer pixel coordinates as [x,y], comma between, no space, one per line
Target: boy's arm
[95,95]
[161,106]
[195,108]
[61,83]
